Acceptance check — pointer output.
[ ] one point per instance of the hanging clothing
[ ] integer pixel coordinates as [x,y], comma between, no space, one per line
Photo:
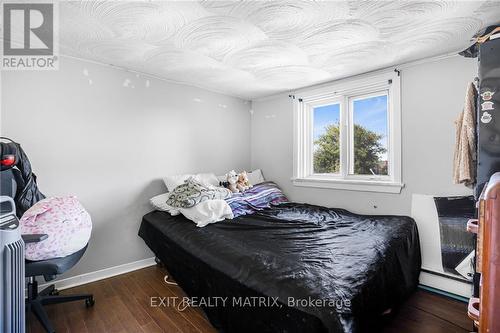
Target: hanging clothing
[464,166]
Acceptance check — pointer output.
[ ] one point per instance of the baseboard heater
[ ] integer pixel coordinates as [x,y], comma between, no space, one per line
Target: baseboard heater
[12,311]
[448,276]
[446,282]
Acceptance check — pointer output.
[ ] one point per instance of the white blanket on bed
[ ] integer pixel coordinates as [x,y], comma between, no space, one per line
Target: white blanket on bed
[206,212]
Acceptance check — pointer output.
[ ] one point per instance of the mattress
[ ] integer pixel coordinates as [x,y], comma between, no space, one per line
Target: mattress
[320,269]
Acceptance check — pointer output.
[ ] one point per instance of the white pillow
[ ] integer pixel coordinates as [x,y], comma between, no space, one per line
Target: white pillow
[159,202]
[172,182]
[256,177]
[209,211]
[208,178]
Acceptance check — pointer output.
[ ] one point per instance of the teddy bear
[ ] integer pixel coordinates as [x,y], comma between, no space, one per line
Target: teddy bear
[232,180]
[243,183]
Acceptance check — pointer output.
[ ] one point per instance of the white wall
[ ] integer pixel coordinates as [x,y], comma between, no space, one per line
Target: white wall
[432,97]
[110,145]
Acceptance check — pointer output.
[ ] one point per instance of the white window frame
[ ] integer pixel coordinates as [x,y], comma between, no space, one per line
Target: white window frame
[345,92]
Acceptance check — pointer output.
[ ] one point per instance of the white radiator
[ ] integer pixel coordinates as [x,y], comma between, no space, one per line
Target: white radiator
[12,308]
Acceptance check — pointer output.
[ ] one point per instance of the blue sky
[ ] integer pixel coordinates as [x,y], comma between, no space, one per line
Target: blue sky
[370,113]
[324,116]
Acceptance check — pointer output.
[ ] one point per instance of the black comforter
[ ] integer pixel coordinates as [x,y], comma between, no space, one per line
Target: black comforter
[335,266]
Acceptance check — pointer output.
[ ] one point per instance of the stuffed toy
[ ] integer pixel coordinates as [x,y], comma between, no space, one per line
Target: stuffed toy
[232,180]
[243,183]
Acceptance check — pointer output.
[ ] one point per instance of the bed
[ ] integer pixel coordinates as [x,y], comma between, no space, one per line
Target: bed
[309,268]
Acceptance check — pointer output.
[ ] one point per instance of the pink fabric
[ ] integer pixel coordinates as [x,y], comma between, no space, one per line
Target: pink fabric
[64,220]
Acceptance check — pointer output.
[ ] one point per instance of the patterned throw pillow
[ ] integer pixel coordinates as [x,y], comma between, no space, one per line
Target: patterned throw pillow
[192,192]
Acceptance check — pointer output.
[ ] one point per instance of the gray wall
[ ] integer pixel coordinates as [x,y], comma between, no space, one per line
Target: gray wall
[110,145]
[432,97]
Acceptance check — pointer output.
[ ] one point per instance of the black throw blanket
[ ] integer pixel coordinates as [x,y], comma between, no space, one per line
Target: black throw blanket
[346,266]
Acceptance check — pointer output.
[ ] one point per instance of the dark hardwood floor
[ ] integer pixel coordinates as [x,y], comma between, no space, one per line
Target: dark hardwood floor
[123,305]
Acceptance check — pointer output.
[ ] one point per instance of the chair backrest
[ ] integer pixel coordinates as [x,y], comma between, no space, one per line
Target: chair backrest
[8,183]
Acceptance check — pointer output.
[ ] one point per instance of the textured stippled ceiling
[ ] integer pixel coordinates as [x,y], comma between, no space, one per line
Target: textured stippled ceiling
[253,48]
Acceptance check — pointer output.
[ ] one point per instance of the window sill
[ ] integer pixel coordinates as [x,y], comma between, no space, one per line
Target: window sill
[350,184]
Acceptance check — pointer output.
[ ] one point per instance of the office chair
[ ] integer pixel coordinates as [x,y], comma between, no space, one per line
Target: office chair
[49,269]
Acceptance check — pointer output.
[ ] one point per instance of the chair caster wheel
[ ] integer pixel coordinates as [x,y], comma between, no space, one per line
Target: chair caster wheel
[89,302]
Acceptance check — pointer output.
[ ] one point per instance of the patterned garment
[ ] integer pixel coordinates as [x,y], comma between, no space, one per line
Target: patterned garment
[193,192]
[259,197]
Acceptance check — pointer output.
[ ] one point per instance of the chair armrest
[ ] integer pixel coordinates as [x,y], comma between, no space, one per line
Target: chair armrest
[34,238]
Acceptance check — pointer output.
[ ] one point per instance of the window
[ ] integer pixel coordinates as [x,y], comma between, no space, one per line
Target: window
[348,135]
[326,138]
[368,130]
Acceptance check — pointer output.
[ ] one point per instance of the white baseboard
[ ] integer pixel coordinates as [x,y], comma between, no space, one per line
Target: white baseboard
[442,283]
[100,274]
